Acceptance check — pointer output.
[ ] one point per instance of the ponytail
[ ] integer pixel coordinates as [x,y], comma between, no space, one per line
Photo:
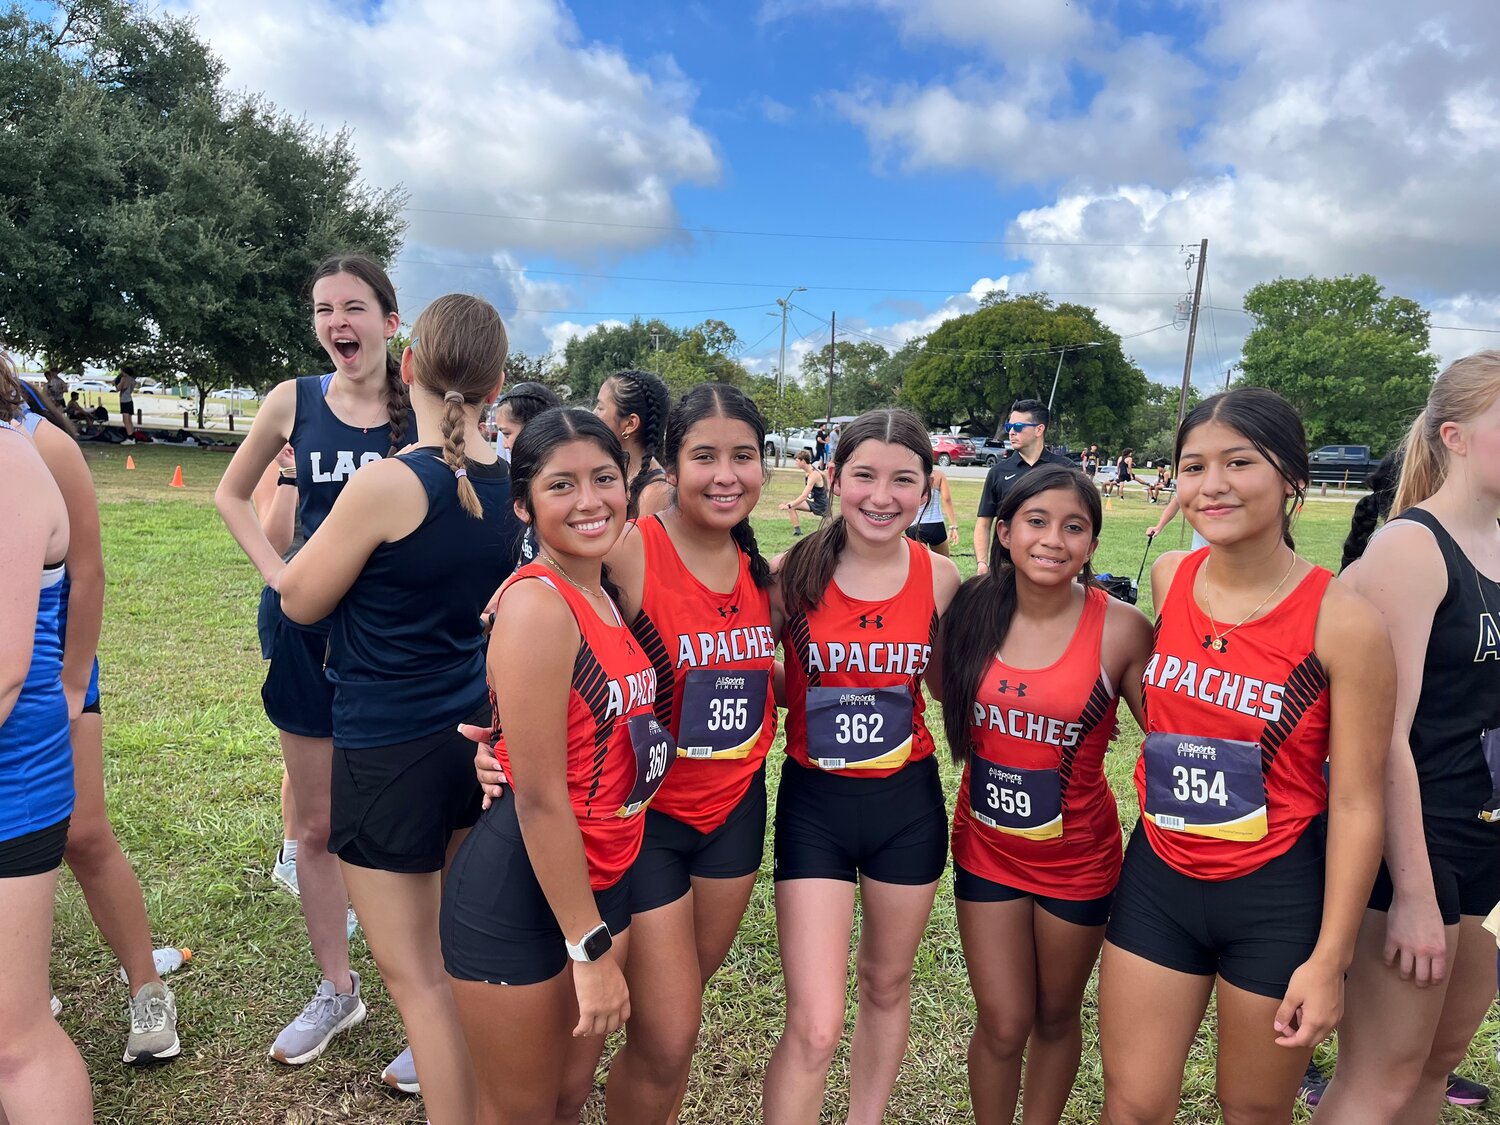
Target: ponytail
[744,538]
[453,452]
[397,403]
[808,567]
[1372,509]
[1424,463]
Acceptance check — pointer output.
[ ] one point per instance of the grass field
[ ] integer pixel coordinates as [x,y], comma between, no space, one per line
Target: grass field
[193,771]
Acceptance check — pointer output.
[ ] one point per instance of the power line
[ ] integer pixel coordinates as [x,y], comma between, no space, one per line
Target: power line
[633,313]
[775,233]
[1441,327]
[1213,328]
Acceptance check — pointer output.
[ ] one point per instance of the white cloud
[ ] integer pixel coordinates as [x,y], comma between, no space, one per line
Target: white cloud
[561,332]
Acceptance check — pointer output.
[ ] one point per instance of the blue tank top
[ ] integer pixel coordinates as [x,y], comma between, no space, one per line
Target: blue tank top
[406,655]
[36,756]
[328,450]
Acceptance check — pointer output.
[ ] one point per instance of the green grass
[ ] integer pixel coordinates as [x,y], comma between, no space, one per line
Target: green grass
[193,773]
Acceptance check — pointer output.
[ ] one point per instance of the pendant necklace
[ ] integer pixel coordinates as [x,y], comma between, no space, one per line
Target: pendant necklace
[568,578]
[1216,641]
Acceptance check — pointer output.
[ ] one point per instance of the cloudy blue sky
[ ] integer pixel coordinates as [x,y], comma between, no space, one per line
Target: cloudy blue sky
[588,161]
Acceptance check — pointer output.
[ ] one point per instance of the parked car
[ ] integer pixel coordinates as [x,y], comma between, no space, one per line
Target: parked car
[91,386]
[787,444]
[1335,464]
[239,393]
[989,450]
[149,387]
[948,449]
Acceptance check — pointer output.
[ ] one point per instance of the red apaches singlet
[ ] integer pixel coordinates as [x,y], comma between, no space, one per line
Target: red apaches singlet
[714,654]
[854,677]
[1231,772]
[610,718]
[1035,811]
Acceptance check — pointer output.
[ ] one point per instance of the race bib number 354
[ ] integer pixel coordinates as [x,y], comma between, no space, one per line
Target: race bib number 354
[1205,786]
[723,711]
[858,727]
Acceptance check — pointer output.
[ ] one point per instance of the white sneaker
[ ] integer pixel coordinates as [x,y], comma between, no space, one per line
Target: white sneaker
[401,1074]
[284,871]
[56,1006]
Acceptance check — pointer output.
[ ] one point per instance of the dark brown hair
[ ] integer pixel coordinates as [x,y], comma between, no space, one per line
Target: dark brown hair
[398,405]
[458,350]
[808,567]
[644,394]
[978,620]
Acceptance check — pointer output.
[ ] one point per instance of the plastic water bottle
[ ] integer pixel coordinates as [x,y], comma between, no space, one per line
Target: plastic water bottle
[168,959]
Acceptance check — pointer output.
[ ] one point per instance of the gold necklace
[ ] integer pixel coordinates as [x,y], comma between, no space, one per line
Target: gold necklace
[1219,642]
[568,578]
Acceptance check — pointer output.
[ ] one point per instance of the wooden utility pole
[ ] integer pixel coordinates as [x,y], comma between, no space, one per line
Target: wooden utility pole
[833,347]
[1187,364]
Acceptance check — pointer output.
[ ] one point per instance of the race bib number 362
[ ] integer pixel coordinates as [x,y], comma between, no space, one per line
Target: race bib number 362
[1205,786]
[859,727]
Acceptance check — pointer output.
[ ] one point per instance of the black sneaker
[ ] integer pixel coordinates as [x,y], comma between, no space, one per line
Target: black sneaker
[1313,1084]
[1470,1095]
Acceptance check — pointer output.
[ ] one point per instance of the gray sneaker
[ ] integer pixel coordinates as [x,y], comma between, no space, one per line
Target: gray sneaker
[326,1014]
[153,1026]
[401,1074]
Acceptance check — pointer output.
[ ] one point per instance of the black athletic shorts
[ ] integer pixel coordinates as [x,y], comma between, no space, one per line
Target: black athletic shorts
[1467,881]
[496,924]
[394,808]
[969,887]
[35,853]
[929,533]
[891,829]
[673,854]
[1254,930]
[297,695]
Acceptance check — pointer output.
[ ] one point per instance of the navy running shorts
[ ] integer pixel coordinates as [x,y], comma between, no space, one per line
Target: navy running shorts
[395,808]
[969,887]
[297,695]
[891,829]
[929,533]
[496,925]
[1254,930]
[1467,881]
[35,853]
[673,854]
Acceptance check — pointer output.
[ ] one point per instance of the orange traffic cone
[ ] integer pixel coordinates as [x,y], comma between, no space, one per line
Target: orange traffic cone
[129,462]
[177,478]
[1109,503]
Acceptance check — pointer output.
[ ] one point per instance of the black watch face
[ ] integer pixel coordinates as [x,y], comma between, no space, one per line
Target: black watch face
[597,944]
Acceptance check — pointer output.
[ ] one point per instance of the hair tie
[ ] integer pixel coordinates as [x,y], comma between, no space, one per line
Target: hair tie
[454,396]
[460,472]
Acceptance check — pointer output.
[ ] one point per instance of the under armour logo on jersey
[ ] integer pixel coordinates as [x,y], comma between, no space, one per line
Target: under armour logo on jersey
[878,621]
[725,611]
[1005,687]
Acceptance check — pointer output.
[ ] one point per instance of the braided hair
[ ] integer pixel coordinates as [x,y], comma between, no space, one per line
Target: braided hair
[720,400]
[397,400]
[526,400]
[1373,508]
[643,394]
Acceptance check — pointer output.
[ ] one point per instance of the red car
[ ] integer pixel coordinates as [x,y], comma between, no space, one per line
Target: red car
[949,450]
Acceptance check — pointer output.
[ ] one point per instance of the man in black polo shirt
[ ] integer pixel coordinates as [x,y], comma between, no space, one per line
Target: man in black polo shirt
[1027,430]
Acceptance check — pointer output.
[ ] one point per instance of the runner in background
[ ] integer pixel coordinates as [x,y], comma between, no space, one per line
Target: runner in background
[516,407]
[813,499]
[634,405]
[930,528]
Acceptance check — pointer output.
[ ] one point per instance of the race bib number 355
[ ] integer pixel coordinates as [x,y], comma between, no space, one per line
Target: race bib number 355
[722,712]
[859,728]
[1205,786]
[1018,802]
[654,754]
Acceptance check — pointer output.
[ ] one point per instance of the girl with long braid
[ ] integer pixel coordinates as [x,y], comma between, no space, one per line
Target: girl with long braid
[356,414]
[412,550]
[634,405]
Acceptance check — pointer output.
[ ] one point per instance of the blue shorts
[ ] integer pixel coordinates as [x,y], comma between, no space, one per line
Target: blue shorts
[297,695]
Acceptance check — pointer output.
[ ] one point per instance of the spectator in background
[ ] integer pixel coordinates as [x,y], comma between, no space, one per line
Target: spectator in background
[1027,431]
[1163,482]
[833,442]
[1091,461]
[75,410]
[57,390]
[125,384]
[820,446]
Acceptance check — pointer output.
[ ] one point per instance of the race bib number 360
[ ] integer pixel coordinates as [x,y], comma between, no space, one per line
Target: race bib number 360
[654,754]
[1026,803]
[858,728]
[1205,786]
[722,712]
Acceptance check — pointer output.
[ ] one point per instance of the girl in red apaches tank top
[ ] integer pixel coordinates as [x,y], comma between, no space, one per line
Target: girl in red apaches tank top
[860,802]
[696,591]
[1032,665]
[1262,671]
[537,901]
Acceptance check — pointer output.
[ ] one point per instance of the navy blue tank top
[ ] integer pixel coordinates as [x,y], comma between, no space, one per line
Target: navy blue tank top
[328,451]
[1460,700]
[406,655]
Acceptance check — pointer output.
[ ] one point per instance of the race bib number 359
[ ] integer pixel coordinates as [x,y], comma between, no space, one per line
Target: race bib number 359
[1205,786]
[1026,803]
[859,728]
[722,712]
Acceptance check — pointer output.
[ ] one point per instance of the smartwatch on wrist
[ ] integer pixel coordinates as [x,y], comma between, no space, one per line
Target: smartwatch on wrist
[286,476]
[592,946]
